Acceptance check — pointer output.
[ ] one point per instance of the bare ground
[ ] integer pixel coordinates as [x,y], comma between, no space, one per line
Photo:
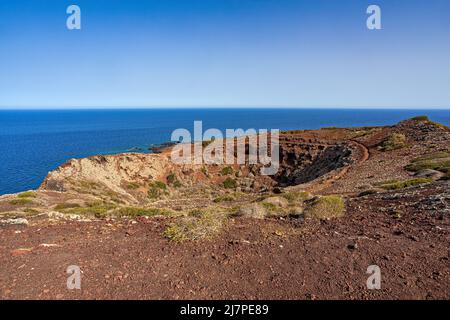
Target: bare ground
[252,259]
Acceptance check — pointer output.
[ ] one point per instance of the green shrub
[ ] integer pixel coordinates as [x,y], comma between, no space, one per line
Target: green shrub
[97,209]
[230,183]
[156,189]
[224,198]
[21,201]
[270,206]
[393,142]
[226,171]
[63,206]
[325,207]
[405,184]
[173,180]
[30,210]
[133,185]
[133,212]
[421,118]
[27,194]
[437,161]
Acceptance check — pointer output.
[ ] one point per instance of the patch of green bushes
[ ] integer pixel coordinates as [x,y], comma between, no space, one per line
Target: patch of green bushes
[405,184]
[226,171]
[173,180]
[437,161]
[133,212]
[63,206]
[27,194]
[230,183]
[393,142]
[133,185]
[156,189]
[97,209]
[421,118]
[224,198]
[20,201]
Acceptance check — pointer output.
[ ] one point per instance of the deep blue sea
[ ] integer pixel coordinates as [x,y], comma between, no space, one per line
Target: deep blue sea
[33,142]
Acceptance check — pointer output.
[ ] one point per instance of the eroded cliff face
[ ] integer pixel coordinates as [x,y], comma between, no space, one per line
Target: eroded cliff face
[112,172]
[130,177]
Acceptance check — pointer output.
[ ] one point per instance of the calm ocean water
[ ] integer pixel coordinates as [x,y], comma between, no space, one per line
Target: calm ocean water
[35,142]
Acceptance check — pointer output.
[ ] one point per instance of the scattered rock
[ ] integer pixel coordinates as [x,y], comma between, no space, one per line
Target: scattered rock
[15,221]
[429,173]
[254,210]
[277,201]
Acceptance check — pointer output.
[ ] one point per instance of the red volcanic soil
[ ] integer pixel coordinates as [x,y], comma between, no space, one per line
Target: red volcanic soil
[280,258]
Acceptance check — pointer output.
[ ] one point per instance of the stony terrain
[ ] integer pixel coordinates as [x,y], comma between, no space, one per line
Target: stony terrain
[142,227]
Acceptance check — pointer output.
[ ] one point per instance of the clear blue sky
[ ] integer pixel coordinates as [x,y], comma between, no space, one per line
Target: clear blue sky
[312,53]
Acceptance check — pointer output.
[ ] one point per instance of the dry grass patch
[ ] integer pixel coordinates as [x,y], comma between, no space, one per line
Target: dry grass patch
[200,224]
[157,189]
[439,161]
[395,185]
[325,207]
[27,194]
[133,212]
[393,142]
[97,209]
[21,201]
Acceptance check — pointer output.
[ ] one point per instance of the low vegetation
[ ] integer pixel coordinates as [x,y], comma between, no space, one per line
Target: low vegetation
[21,201]
[295,196]
[156,189]
[421,118]
[134,212]
[226,171]
[201,224]
[133,185]
[395,185]
[426,119]
[23,198]
[393,142]
[173,180]
[27,194]
[63,206]
[437,161]
[97,209]
[230,183]
[224,198]
[325,207]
